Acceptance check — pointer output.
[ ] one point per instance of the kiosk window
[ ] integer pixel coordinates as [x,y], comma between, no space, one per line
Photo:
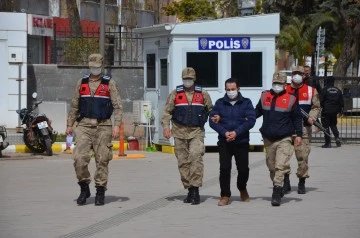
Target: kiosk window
[206,67]
[150,71]
[247,67]
[163,73]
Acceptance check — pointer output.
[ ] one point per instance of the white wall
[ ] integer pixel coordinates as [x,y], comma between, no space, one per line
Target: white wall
[13,38]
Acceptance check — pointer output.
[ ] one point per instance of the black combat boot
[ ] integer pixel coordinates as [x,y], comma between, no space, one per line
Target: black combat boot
[84,193]
[301,186]
[195,197]
[287,186]
[100,196]
[276,196]
[338,142]
[326,145]
[189,195]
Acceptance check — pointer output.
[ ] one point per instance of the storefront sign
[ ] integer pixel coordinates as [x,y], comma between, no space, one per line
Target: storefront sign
[40,25]
[224,43]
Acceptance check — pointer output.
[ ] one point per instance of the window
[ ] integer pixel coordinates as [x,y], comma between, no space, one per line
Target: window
[163,72]
[206,67]
[150,71]
[247,68]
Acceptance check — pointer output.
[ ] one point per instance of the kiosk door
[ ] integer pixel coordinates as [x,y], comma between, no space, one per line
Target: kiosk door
[157,90]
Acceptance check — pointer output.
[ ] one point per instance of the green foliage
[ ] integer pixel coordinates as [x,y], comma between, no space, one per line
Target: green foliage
[77,50]
[190,10]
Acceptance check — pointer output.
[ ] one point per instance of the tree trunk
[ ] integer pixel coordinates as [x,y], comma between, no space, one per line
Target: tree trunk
[350,49]
[74,18]
[355,65]
[9,5]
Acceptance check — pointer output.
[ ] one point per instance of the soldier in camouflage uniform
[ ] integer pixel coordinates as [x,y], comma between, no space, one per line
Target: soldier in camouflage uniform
[309,101]
[95,98]
[187,108]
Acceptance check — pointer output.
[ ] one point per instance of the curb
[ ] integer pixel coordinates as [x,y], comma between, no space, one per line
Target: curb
[56,147]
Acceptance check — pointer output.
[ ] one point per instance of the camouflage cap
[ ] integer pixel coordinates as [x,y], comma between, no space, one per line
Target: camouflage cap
[95,60]
[188,73]
[297,69]
[279,77]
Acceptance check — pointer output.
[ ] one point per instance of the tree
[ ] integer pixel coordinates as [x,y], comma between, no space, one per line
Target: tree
[190,10]
[9,5]
[74,18]
[347,13]
[297,37]
[227,8]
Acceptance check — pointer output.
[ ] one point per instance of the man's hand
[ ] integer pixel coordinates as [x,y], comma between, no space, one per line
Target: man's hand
[215,118]
[311,120]
[167,133]
[69,130]
[230,136]
[297,141]
[115,131]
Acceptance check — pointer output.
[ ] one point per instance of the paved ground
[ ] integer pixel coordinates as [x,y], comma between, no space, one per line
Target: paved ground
[144,199]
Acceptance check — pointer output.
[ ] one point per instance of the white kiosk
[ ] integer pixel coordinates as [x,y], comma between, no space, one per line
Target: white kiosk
[240,47]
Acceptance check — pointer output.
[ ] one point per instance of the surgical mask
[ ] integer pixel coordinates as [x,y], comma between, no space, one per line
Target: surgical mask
[297,78]
[95,71]
[277,88]
[232,94]
[188,83]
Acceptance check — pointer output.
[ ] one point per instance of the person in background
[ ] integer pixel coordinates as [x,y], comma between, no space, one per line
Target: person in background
[312,81]
[332,104]
[187,108]
[308,99]
[237,116]
[281,119]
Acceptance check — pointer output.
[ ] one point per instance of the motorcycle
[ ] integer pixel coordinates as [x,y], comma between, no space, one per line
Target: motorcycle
[38,134]
[3,143]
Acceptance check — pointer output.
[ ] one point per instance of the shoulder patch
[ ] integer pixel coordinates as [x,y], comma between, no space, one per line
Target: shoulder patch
[179,88]
[197,88]
[106,77]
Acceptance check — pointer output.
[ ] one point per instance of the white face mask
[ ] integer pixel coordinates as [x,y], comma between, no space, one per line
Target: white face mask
[277,88]
[232,94]
[188,83]
[95,71]
[297,78]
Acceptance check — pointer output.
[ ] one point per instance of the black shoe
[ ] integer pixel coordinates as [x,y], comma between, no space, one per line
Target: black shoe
[301,186]
[100,196]
[276,196]
[338,142]
[189,195]
[326,146]
[84,193]
[287,186]
[195,197]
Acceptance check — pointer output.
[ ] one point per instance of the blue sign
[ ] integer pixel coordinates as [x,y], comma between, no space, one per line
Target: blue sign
[224,43]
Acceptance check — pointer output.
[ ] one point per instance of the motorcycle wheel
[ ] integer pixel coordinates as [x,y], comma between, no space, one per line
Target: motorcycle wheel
[48,144]
[34,147]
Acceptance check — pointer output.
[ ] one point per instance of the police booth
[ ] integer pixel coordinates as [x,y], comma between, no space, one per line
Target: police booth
[240,47]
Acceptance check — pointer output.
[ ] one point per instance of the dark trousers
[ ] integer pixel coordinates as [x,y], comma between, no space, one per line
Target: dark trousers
[241,154]
[329,120]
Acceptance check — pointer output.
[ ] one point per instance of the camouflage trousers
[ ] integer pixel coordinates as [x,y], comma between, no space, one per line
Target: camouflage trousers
[278,155]
[189,153]
[96,139]
[302,153]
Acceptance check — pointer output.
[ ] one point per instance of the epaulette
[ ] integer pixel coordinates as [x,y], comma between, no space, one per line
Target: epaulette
[197,88]
[106,77]
[179,88]
[85,76]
